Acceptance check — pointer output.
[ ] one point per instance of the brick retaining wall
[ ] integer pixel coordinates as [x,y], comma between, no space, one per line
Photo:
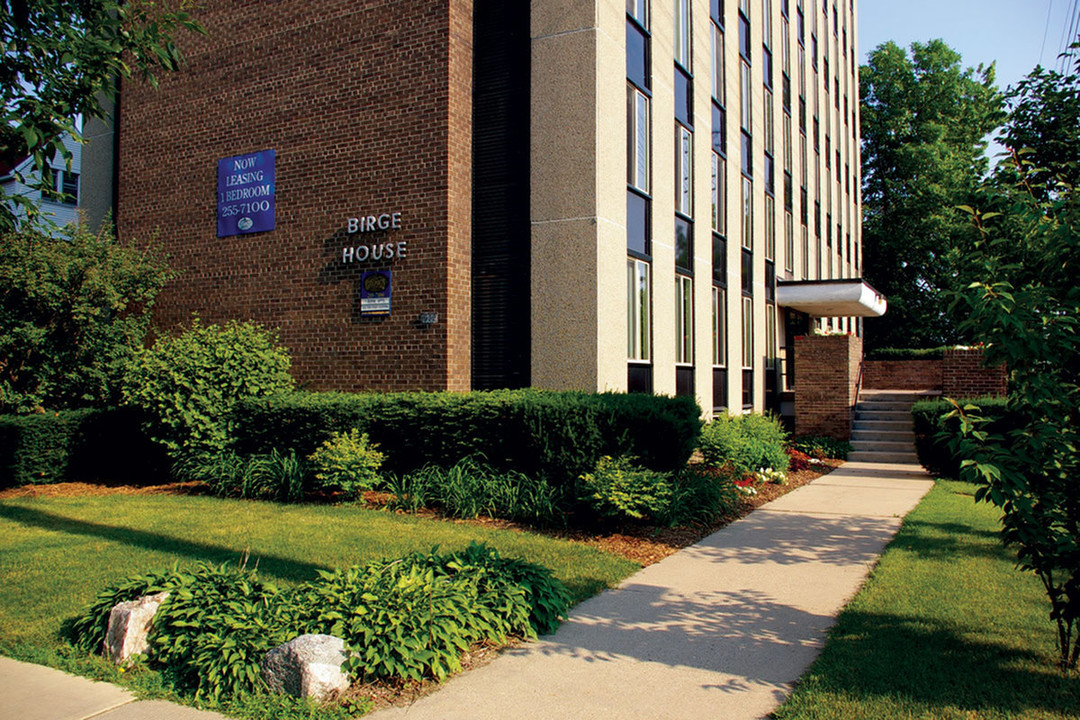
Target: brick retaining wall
[963,375]
[826,377]
[902,374]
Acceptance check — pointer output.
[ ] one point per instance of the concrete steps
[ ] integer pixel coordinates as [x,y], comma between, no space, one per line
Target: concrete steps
[882,431]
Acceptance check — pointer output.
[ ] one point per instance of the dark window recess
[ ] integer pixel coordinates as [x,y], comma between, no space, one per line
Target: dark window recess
[786,95]
[501,349]
[716,11]
[772,397]
[684,98]
[804,209]
[684,382]
[637,55]
[747,155]
[766,56]
[639,379]
[684,244]
[770,281]
[795,324]
[770,174]
[747,389]
[69,185]
[788,194]
[719,129]
[719,388]
[744,37]
[802,115]
[637,224]
[719,260]
[747,272]
[817,218]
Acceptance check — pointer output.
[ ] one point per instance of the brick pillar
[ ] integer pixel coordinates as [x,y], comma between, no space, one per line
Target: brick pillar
[963,375]
[826,374]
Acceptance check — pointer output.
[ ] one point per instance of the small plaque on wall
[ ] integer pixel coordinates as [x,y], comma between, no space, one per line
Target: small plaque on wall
[375,292]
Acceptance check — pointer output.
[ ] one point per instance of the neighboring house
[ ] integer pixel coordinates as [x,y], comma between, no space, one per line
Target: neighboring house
[67,180]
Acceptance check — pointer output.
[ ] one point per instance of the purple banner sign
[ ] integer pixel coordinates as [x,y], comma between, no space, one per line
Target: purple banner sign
[375,293]
[245,194]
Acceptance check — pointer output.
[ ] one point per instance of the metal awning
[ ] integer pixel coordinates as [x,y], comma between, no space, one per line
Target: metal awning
[831,298]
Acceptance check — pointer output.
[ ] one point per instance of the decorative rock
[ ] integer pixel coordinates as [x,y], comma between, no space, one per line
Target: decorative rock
[307,666]
[129,626]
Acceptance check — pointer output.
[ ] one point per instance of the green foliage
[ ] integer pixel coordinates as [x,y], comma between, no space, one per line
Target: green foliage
[64,59]
[554,435]
[265,476]
[746,443]
[409,618]
[821,447]
[924,119]
[701,494]
[349,462]
[75,445]
[1028,315]
[74,309]
[471,487]
[936,432]
[619,489]
[890,353]
[190,382]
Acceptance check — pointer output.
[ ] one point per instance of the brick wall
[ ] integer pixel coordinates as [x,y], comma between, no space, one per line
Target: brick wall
[826,373]
[902,374]
[963,375]
[367,105]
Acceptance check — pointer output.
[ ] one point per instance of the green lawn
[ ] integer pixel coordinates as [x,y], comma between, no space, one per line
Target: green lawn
[57,553]
[945,628]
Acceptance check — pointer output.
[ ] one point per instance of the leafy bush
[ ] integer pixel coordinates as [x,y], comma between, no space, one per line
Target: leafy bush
[74,310]
[936,433]
[471,488]
[348,462]
[701,494]
[76,445]
[554,435]
[618,488]
[190,382]
[744,442]
[821,447]
[408,618]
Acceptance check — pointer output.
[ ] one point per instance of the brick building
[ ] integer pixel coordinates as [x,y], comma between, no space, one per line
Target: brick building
[562,194]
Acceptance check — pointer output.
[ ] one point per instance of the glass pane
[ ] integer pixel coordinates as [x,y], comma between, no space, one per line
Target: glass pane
[684,246]
[747,214]
[684,165]
[637,223]
[683,98]
[718,75]
[719,130]
[638,9]
[644,305]
[637,55]
[719,259]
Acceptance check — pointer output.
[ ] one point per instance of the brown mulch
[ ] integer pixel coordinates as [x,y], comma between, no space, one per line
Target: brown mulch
[82,489]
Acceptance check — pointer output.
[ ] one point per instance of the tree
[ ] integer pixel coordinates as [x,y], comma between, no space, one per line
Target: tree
[62,60]
[74,310]
[1026,308]
[924,123]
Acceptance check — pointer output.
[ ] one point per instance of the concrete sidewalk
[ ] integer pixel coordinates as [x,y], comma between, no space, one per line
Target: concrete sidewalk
[719,630]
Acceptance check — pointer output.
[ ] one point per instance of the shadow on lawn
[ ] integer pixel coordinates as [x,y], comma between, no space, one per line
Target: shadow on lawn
[279,567]
[946,540]
[944,665]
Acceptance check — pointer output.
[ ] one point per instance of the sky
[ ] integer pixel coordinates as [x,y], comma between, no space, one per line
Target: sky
[1010,32]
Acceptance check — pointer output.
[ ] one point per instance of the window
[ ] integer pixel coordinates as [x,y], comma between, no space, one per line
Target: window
[716,11]
[684,245]
[748,352]
[770,227]
[637,119]
[789,242]
[68,184]
[747,213]
[719,211]
[684,140]
[637,55]
[770,337]
[766,22]
[745,97]
[684,98]
[805,252]
[719,77]
[747,274]
[682,33]
[638,306]
[684,320]
[719,327]
[744,36]
[719,260]
[637,224]
[639,10]
[769,127]
[747,154]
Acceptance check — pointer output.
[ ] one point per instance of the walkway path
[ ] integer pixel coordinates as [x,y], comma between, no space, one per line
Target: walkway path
[719,630]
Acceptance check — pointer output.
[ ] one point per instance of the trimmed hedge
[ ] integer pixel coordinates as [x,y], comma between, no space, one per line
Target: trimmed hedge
[556,435]
[76,445]
[934,433]
[906,353]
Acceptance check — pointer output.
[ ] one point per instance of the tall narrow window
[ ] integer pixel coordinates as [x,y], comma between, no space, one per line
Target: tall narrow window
[719,327]
[719,77]
[638,304]
[747,214]
[639,10]
[684,320]
[684,170]
[770,227]
[719,212]
[682,33]
[638,133]
[684,245]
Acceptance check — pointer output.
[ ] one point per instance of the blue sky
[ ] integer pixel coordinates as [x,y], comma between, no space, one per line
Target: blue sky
[1010,32]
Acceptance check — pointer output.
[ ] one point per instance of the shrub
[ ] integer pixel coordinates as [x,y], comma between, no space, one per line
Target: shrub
[618,488]
[935,433]
[76,445]
[264,476]
[906,353]
[74,310]
[471,488]
[701,494]
[409,618]
[554,435]
[348,462]
[797,460]
[821,447]
[189,382]
[745,442]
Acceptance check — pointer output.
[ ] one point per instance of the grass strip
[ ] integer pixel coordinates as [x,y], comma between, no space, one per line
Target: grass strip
[946,628]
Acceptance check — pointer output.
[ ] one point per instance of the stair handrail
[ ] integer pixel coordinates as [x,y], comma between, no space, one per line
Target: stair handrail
[858,392]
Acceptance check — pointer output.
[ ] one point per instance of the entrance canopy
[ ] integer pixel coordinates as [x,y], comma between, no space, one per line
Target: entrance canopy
[831,298]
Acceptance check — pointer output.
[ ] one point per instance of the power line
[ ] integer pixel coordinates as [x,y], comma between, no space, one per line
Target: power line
[1046,31]
[1070,28]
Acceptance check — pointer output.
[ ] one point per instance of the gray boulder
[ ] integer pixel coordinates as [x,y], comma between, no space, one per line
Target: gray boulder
[307,666]
[129,627]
